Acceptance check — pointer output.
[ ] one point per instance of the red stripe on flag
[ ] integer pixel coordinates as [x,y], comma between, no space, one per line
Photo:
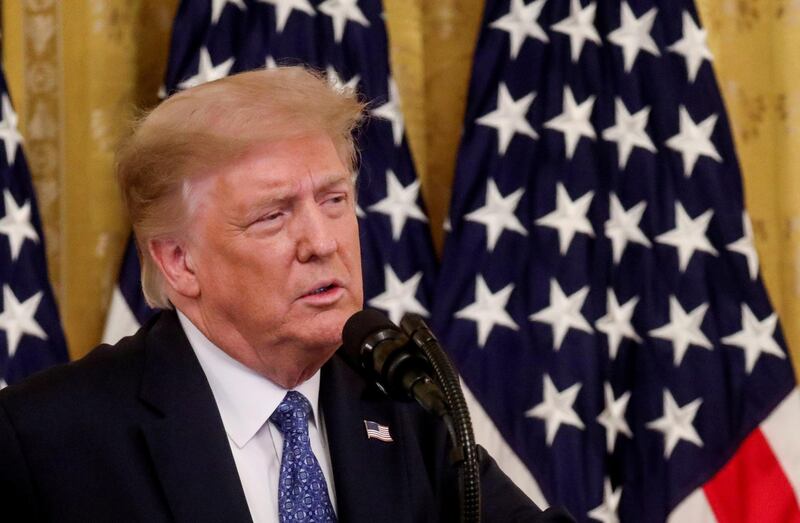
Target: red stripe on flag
[752,487]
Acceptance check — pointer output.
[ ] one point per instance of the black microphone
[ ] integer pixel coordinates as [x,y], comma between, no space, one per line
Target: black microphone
[384,355]
[401,364]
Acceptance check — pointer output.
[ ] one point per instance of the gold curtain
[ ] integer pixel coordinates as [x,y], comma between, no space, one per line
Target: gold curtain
[755,45]
[79,69]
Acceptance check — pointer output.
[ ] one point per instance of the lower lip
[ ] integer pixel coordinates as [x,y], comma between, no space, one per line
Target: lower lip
[322,299]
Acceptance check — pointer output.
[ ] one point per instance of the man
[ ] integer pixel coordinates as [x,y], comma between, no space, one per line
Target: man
[230,404]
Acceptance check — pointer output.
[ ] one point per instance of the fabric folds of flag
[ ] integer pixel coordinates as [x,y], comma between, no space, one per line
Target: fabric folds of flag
[347,41]
[31,338]
[128,310]
[600,289]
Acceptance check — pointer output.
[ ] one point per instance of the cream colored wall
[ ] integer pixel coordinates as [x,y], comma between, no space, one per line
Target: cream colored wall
[78,69]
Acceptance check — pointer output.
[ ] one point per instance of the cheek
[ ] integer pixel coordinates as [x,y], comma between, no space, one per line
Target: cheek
[240,268]
[348,238]
[354,262]
[248,289]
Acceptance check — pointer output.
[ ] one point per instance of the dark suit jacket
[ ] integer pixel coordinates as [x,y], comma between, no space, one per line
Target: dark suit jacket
[132,433]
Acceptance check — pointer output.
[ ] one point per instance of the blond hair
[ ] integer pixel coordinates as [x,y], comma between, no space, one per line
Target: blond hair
[202,129]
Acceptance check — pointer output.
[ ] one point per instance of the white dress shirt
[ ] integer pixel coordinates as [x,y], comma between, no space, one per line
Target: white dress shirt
[246,400]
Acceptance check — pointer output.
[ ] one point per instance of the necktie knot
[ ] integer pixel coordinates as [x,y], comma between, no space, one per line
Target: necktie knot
[291,416]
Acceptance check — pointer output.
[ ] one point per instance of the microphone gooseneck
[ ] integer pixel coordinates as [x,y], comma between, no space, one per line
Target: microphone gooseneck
[465,452]
[411,364]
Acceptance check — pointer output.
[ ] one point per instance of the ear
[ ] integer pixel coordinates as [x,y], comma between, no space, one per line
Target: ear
[175,264]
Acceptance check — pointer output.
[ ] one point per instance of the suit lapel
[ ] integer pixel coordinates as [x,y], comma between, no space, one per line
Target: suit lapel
[187,442]
[370,476]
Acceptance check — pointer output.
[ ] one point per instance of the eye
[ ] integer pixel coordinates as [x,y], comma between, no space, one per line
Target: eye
[271,217]
[336,199]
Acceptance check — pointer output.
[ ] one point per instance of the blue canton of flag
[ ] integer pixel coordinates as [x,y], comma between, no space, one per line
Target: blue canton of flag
[347,40]
[31,338]
[600,292]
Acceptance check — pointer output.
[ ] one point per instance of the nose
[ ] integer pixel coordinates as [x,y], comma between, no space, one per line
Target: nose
[315,234]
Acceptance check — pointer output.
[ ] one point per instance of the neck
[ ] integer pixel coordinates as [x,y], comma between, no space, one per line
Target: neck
[283,366]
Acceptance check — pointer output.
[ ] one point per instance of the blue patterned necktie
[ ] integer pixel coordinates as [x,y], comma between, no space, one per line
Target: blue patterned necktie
[302,491]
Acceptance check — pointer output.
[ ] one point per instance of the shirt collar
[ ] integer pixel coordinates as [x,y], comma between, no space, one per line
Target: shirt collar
[245,398]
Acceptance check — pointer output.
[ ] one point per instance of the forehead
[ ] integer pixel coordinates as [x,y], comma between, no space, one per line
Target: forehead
[279,169]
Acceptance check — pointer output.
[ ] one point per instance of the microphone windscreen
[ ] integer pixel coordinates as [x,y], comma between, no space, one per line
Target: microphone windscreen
[360,326]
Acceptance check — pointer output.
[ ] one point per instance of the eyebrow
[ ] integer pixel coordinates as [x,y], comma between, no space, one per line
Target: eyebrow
[280,194]
[333,180]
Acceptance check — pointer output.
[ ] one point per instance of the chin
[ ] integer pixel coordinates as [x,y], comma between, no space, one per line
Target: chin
[324,329]
[329,334]
[335,319]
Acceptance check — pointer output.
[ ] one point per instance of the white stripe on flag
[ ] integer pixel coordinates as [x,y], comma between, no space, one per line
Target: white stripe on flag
[120,321]
[781,429]
[487,435]
[695,509]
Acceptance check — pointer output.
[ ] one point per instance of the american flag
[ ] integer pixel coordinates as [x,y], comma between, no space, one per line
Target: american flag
[31,338]
[377,431]
[128,309]
[347,40]
[600,289]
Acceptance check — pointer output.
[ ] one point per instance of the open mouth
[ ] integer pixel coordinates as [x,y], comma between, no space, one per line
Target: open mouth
[322,290]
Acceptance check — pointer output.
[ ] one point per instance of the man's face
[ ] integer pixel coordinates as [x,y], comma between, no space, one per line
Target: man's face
[273,241]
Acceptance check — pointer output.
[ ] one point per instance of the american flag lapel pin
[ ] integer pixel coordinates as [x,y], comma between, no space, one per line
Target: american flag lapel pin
[377,431]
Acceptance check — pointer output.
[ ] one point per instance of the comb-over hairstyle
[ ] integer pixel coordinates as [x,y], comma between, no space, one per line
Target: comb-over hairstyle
[198,131]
